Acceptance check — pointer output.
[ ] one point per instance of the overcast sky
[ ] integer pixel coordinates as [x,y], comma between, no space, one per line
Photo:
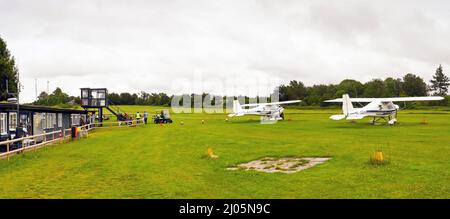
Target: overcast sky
[129,46]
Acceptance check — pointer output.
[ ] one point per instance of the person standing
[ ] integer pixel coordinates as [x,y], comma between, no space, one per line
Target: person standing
[138,117]
[145,117]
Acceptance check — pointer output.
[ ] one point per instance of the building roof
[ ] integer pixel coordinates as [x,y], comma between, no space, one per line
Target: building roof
[34,108]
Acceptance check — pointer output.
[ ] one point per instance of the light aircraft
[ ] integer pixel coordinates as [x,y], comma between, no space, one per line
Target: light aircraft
[270,111]
[378,108]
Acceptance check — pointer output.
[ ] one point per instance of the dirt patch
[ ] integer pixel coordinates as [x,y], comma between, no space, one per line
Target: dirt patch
[280,165]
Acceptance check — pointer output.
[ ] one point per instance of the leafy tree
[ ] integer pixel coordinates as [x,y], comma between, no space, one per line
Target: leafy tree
[143,98]
[58,97]
[296,90]
[440,82]
[393,87]
[164,99]
[351,87]
[134,99]
[319,93]
[414,85]
[115,98]
[43,96]
[282,91]
[8,71]
[374,88]
[127,99]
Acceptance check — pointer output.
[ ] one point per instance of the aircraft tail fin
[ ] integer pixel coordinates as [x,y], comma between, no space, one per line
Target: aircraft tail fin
[237,108]
[347,105]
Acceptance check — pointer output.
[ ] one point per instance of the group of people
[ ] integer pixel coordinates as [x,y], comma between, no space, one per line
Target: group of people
[124,117]
[144,119]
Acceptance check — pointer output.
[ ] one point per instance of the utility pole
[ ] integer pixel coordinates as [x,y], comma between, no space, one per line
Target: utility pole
[18,105]
[47,92]
[35,88]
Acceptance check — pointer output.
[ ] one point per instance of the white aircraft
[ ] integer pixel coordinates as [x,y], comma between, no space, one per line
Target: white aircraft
[270,111]
[378,108]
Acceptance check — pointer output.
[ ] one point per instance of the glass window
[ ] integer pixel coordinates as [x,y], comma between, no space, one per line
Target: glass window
[48,120]
[75,119]
[84,94]
[94,93]
[60,118]
[3,123]
[44,120]
[101,94]
[12,121]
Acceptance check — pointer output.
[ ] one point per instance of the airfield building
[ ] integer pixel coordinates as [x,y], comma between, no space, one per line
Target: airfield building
[37,119]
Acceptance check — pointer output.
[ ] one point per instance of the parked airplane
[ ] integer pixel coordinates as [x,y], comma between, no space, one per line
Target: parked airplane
[378,108]
[271,111]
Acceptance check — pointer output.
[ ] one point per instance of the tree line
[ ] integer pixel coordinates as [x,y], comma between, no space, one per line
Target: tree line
[57,98]
[143,98]
[408,85]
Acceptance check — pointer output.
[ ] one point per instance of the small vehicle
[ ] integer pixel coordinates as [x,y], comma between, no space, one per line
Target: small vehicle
[162,117]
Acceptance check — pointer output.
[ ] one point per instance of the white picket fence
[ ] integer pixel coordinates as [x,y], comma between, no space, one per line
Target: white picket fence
[31,142]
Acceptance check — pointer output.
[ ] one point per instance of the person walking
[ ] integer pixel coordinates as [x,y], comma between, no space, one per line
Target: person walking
[145,117]
[138,117]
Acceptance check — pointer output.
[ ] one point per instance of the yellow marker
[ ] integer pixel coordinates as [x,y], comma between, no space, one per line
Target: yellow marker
[424,121]
[379,156]
[211,153]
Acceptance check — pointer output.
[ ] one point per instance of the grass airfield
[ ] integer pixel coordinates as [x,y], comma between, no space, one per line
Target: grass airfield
[170,161]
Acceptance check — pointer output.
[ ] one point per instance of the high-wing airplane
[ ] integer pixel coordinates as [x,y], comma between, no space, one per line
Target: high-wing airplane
[378,108]
[271,111]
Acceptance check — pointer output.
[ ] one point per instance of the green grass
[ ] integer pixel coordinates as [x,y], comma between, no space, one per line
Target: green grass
[169,162]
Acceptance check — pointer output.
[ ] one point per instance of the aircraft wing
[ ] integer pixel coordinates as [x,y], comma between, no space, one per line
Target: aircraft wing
[387,99]
[272,103]
[235,114]
[361,100]
[404,99]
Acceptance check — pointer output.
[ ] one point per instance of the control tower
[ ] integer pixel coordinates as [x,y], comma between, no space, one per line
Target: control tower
[97,98]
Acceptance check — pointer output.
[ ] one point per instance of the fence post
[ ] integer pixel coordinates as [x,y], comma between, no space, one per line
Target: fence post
[7,151]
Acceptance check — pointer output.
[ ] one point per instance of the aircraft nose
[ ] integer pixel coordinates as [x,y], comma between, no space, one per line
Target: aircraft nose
[396,106]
